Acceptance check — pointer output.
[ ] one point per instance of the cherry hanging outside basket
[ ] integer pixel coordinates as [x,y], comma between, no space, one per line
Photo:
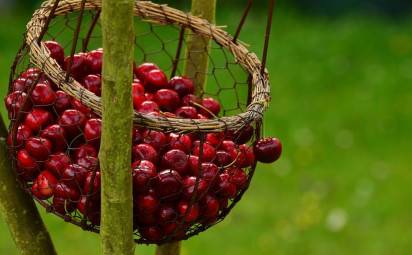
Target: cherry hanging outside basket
[193,155]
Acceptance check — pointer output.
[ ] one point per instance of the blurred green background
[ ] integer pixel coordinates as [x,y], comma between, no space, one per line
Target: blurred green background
[342,105]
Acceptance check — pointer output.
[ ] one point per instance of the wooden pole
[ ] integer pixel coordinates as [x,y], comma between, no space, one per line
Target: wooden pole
[115,150]
[18,209]
[196,66]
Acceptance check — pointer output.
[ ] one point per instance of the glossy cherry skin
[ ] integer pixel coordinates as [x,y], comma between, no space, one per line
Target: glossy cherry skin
[186,112]
[176,160]
[215,139]
[57,136]
[189,213]
[144,152]
[56,51]
[148,107]
[80,66]
[268,150]
[88,162]
[57,163]
[66,191]
[168,184]
[190,100]
[92,184]
[62,205]
[21,84]
[167,99]
[208,153]
[78,105]
[39,148]
[141,70]
[189,184]
[156,139]
[43,95]
[85,150]
[180,142]
[43,185]
[224,188]
[212,106]
[72,121]
[138,94]
[209,207]
[75,175]
[93,130]
[27,165]
[63,101]
[95,61]
[93,83]
[143,172]
[166,214]
[38,119]
[154,80]
[32,73]
[23,133]
[147,203]
[91,208]
[182,85]
[223,158]
[151,233]
[244,135]
[14,102]
[238,177]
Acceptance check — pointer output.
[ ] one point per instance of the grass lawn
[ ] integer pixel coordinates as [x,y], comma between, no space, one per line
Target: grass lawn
[342,105]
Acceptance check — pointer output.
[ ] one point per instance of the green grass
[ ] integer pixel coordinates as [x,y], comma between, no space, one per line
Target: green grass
[342,105]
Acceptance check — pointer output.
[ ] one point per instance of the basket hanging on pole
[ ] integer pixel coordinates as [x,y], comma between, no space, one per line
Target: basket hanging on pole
[193,155]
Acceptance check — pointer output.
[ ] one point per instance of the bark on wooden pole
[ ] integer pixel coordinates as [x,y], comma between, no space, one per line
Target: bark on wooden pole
[18,209]
[115,150]
[196,65]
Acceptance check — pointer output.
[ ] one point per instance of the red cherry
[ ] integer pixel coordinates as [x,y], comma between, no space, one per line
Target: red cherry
[224,187]
[244,135]
[22,84]
[56,135]
[143,172]
[23,133]
[186,112]
[154,138]
[74,175]
[32,74]
[209,207]
[56,51]
[39,148]
[85,150]
[201,117]
[63,206]
[144,152]
[209,171]
[93,83]
[189,99]
[63,101]
[190,213]
[189,184]
[43,185]
[169,229]
[93,130]
[268,150]
[145,219]
[137,136]
[66,191]
[223,203]
[228,146]
[14,102]
[72,121]
[223,158]
[80,66]
[166,214]
[137,94]
[89,207]
[167,99]
[182,85]
[143,69]
[38,119]
[88,162]
[208,153]
[147,203]
[212,105]
[149,96]
[180,142]
[168,184]
[176,160]
[215,139]
[245,157]
[151,233]
[95,60]
[154,80]
[57,163]
[92,184]
[238,177]
[148,106]
[27,165]
[78,105]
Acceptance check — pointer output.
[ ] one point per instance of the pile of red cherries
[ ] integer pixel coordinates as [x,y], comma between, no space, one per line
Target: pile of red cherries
[178,179]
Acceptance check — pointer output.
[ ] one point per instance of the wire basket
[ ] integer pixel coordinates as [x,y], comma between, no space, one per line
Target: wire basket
[197,166]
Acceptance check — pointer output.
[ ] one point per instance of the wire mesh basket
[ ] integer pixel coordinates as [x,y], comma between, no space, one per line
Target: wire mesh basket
[192,155]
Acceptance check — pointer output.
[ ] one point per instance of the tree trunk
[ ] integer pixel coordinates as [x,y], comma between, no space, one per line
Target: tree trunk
[18,209]
[195,67]
[115,150]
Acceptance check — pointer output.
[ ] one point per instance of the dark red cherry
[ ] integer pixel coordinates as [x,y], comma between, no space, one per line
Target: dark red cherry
[144,152]
[143,69]
[151,233]
[182,85]
[93,83]
[63,206]
[56,51]
[57,136]
[189,99]
[209,206]
[154,80]
[88,162]
[72,121]
[167,99]
[138,94]
[186,112]
[244,135]
[95,61]
[39,148]
[166,214]
[268,150]
[209,171]
[74,175]
[176,160]
[137,136]
[92,184]
[93,130]
[43,185]
[208,153]
[149,96]
[223,158]
[215,139]
[14,102]
[66,191]
[156,139]
[225,188]
[168,184]
[190,212]
[180,142]
[190,188]
[21,84]
[78,105]
[85,150]
[63,101]
[147,203]
[80,66]
[148,107]
[238,177]
[27,165]
[23,133]
[143,172]
[57,163]
[211,105]
[38,119]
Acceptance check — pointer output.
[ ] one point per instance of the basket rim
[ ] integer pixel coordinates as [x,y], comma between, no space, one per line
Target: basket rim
[160,13]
